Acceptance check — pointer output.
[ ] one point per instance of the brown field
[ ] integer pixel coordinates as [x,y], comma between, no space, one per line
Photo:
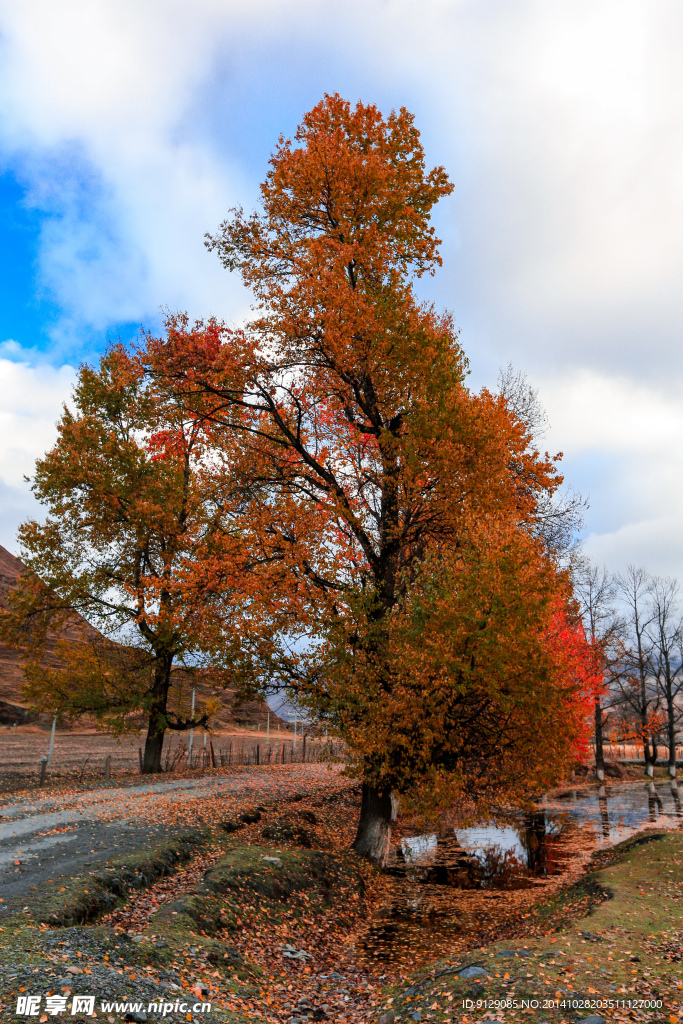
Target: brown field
[79,757]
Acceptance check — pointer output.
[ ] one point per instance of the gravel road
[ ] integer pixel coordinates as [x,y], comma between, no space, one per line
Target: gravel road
[50,837]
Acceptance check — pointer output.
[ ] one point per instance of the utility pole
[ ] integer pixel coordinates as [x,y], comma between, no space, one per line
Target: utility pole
[52,739]
[189,753]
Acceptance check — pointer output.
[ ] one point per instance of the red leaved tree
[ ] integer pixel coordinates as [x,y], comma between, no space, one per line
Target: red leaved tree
[415,591]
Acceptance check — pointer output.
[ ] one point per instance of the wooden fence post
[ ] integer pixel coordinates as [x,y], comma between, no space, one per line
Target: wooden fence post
[107,768]
[258,753]
[43,770]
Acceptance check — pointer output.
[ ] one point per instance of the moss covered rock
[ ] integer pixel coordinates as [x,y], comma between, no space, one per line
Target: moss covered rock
[246,869]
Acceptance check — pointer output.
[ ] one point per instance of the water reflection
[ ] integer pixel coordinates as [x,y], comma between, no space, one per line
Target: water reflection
[488,857]
[604,811]
[521,850]
[448,884]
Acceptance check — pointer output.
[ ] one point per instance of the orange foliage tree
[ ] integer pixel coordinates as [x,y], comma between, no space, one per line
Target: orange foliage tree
[142,539]
[417,605]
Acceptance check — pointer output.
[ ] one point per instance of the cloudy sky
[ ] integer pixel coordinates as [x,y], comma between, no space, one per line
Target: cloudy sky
[129,127]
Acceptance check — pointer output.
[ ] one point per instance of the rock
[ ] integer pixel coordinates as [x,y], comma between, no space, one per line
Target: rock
[412,991]
[416,1015]
[593,1019]
[514,952]
[308,816]
[230,825]
[275,861]
[387,1018]
[284,831]
[135,1015]
[249,817]
[292,953]
[471,972]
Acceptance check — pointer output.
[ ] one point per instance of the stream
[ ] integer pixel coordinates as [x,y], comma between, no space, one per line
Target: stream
[446,888]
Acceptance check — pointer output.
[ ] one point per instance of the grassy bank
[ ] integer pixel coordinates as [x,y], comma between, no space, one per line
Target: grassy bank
[614,950]
[262,916]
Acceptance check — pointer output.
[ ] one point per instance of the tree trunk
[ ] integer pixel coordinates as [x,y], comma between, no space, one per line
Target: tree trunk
[644,731]
[671,730]
[156,727]
[599,752]
[377,814]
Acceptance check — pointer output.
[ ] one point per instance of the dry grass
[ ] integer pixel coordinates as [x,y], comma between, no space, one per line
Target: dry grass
[79,757]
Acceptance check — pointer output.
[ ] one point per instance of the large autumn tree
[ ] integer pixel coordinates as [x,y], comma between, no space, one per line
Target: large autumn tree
[141,538]
[422,599]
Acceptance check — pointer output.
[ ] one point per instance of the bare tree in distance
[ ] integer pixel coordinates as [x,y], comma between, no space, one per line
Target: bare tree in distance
[596,591]
[560,516]
[635,676]
[522,398]
[666,638]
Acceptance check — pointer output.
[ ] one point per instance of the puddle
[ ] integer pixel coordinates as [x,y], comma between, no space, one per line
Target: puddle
[620,809]
[489,856]
[445,887]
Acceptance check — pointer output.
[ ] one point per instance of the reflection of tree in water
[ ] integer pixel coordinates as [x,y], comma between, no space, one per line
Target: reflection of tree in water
[502,869]
[604,813]
[542,847]
[654,802]
[676,796]
[440,859]
[495,867]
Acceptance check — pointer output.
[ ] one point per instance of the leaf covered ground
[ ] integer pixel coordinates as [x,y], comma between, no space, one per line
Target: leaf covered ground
[290,926]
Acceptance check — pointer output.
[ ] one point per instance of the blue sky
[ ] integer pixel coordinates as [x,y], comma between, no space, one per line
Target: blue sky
[128,129]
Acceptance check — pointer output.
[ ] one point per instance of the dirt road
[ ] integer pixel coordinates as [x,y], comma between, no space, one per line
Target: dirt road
[54,836]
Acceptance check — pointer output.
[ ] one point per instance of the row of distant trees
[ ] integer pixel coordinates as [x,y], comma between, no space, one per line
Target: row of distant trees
[634,622]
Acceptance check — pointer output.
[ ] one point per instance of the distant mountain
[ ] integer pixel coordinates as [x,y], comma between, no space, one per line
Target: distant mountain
[12,661]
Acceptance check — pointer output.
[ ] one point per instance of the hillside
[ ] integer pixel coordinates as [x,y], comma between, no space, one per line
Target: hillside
[12,661]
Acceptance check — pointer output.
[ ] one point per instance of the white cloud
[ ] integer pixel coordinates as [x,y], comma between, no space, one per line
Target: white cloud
[628,436]
[594,411]
[32,397]
[93,98]
[561,123]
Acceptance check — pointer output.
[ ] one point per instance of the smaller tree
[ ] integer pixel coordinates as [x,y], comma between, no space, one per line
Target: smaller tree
[596,591]
[141,539]
[558,514]
[635,675]
[666,635]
